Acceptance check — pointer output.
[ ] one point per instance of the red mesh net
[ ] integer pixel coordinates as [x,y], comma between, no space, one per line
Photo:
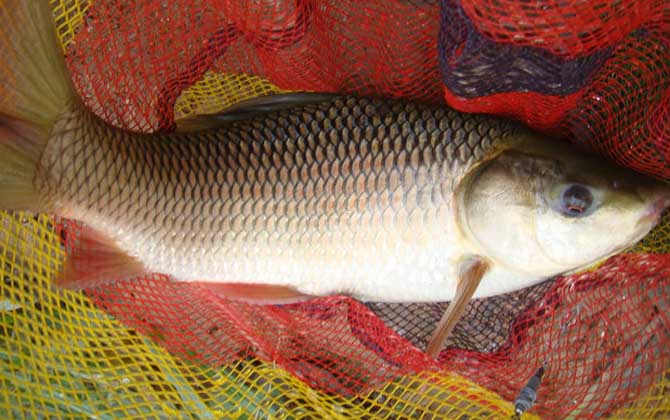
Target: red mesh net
[376,48]
[564,28]
[595,73]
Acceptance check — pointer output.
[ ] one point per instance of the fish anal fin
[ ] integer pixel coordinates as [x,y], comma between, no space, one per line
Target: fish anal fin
[251,108]
[470,273]
[257,294]
[96,259]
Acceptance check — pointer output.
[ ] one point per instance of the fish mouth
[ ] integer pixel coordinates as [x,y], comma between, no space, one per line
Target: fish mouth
[656,209]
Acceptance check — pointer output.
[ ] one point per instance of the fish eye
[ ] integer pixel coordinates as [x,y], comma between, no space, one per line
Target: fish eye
[575,200]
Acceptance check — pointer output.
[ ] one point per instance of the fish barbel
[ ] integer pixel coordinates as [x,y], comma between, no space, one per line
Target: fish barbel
[308,194]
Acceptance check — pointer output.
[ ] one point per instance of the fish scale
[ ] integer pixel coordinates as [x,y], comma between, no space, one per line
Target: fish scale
[338,188]
[307,194]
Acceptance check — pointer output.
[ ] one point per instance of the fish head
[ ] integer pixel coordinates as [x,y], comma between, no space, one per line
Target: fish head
[546,208]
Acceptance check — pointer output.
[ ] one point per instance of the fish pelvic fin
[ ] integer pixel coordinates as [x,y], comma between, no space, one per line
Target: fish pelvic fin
[256,294]
[471,271]
[34,90]
[95,260]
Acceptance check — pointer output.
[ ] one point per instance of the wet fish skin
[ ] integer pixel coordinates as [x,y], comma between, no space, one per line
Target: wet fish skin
[342,192]
[379,199]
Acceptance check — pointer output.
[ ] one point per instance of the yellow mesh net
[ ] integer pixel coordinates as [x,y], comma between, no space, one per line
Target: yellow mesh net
[216,92]
[657,240]
[61,356]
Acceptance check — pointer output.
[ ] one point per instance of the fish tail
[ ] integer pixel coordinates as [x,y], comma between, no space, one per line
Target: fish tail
[34,89]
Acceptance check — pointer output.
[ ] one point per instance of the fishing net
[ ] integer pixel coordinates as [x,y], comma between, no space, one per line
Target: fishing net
[596,73]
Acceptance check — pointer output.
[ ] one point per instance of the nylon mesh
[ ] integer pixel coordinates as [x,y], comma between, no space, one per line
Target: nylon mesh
[595,73]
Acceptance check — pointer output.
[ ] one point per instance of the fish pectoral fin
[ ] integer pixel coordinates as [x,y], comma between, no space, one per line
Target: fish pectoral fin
[252,108]
[257,294]
[470,274]
[96,259]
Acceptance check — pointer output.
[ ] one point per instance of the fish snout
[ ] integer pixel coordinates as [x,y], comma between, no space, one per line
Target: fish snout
[660,201]
[659,205]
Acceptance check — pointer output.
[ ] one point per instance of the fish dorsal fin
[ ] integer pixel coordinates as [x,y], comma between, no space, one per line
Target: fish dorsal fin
[96,259]
[470,273]
[252,108]
[257,294]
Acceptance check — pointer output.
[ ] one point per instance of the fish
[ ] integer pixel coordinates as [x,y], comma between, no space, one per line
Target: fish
[288,197]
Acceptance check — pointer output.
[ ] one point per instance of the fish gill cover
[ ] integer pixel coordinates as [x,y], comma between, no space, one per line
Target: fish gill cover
[596,73]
